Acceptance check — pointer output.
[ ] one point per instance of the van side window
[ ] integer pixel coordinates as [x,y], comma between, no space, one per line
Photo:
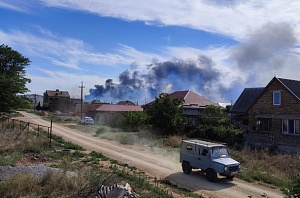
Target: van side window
[189,147]
[204,152]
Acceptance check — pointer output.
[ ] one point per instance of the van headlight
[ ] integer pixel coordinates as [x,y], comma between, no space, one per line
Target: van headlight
[225,168]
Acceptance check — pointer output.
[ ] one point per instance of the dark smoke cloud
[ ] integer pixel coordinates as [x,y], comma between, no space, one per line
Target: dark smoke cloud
[265,52]
[160,77]
[265,49]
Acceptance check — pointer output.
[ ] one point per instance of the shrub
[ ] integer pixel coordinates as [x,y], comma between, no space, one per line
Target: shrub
[295,189]
[10,158]
[225,134]
[133,120]
[18,186]
[124,138]
[101,130]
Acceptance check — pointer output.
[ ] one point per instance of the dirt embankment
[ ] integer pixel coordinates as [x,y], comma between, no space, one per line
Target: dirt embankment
[158,166]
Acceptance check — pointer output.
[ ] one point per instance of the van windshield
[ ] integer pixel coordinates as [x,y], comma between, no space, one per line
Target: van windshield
[218,152]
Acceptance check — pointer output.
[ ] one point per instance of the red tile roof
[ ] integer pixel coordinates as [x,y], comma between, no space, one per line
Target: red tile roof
[118,108]
[191,99]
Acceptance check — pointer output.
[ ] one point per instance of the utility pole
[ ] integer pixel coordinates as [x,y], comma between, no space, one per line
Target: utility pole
[34,106]
[81,99]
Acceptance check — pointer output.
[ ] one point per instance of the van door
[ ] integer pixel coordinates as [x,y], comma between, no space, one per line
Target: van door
[203,158]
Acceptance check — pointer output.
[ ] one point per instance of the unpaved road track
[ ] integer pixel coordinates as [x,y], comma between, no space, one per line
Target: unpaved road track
[158,166]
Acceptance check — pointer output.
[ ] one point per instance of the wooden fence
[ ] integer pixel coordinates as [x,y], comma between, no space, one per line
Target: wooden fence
[21,126]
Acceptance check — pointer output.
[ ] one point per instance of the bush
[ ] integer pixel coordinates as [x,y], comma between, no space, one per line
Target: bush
[133,120]
[101,130]
[19,185]
[225,134]
[124,138]
[10,159]
[295,189]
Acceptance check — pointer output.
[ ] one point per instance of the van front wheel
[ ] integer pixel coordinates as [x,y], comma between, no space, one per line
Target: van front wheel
[186,167]
[211,175]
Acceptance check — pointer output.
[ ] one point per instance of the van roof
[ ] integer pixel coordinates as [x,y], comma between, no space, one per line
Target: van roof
[203,142]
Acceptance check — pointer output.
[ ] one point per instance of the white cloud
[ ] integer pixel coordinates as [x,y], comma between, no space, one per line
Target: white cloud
[17,5]
[63,81]
[231,19]
[69,52]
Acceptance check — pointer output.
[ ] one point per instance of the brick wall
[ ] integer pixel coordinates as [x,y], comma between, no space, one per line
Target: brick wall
[289,108]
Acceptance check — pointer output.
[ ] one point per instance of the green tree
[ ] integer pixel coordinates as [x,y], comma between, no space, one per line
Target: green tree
[133,120]
[167,115]
[12,79]
[38,107]
[215,125]
[214,116]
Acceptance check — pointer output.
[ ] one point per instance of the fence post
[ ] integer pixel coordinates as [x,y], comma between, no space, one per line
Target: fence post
[50,134]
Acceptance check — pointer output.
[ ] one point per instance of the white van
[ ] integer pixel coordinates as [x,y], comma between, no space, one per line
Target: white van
[212,158]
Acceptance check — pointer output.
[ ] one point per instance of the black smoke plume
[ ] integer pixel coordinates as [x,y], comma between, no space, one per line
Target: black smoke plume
[266,51]
[169,76]
[258,59]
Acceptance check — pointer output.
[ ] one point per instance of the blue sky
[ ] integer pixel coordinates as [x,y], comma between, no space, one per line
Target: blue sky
[134,50]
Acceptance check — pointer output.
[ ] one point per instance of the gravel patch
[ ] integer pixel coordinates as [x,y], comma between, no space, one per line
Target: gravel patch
[7,172]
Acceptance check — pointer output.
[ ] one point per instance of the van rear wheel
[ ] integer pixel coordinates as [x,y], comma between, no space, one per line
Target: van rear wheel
[186,167]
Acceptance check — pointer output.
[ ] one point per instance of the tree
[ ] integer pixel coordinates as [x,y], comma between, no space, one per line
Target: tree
[38,107]
[215,125]
[12,79]
[133,120]
[167,115]
[214,116]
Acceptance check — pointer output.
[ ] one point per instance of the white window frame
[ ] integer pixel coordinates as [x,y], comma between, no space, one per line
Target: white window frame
[286,124]
[279,97]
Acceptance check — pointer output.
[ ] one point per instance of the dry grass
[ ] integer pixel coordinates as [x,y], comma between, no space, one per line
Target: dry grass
[31,149]
[260,165]
[51,185]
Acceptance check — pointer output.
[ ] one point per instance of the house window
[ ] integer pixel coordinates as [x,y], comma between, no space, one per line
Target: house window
[276,97]
[264,124]
[290,126]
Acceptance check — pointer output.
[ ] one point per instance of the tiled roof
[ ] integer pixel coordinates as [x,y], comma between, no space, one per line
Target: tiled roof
[57,93]
[246,99]
[292,85]
[94,107]
[190,99]
[118,108]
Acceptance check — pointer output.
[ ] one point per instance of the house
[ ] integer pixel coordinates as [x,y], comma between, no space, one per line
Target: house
[108,114]
[270,115]
[57,100]
[193,105]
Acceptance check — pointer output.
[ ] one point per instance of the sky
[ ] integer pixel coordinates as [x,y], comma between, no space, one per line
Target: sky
[134,50]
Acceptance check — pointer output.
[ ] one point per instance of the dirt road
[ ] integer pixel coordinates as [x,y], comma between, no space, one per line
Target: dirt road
[158,166]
